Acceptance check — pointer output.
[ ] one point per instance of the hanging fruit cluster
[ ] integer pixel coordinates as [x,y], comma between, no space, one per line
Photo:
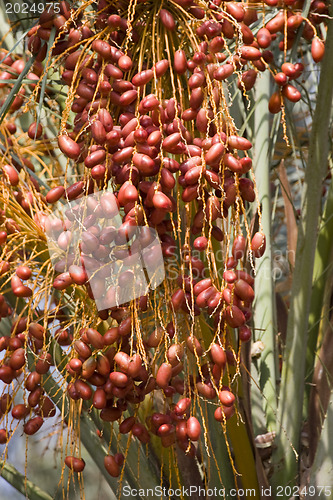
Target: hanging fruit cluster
[146,122]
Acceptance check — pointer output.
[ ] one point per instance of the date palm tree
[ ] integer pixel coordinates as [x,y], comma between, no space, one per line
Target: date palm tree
[165,244]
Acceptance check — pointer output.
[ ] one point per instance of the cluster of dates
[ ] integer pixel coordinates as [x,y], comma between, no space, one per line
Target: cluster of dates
[159,132]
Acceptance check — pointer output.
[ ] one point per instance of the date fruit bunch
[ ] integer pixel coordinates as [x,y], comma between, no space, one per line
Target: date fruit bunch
[142,118]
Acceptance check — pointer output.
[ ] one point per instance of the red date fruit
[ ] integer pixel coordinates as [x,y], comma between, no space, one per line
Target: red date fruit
[69,147]
[317,49]
[258,244]
[33,425]
[75,463]
[167,19]
[163,375]
[111,466]
[193,428]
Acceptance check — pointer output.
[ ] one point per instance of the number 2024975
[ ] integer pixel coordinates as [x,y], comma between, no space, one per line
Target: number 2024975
[34,8]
